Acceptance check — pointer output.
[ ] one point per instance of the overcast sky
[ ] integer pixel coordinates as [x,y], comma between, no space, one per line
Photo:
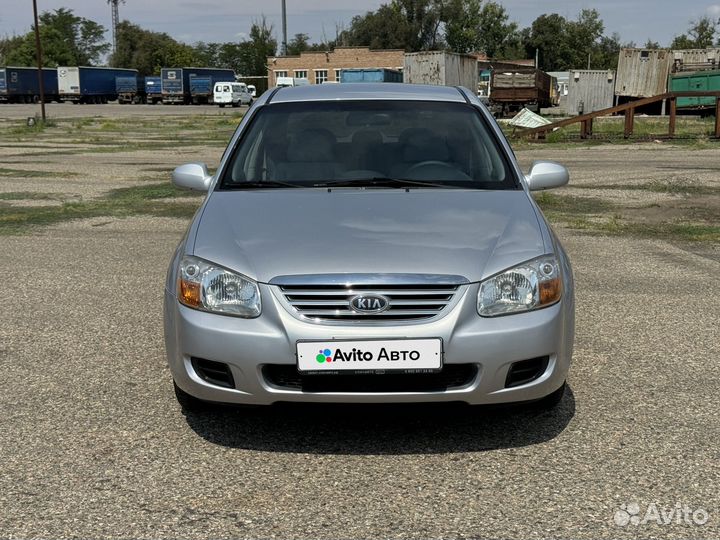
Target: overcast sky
[228,20]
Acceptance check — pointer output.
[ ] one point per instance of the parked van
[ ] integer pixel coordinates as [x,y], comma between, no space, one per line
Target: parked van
[283,82]
[252,90]
[228,93]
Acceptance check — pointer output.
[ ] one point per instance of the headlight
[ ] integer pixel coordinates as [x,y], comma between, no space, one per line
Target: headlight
[531,285]
[203,285]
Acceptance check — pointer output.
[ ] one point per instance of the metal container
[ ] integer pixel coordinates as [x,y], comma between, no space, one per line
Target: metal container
[379,75]
[643,72]
[695,59]
[441,68]
[697,81]
[590,90]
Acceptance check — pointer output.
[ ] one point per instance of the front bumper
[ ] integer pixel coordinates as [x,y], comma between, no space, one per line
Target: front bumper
[246,345]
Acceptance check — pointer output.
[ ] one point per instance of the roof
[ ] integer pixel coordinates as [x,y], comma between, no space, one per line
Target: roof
[368,91]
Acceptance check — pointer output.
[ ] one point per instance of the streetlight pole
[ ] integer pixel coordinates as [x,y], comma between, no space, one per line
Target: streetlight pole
[38,51]
[283,48]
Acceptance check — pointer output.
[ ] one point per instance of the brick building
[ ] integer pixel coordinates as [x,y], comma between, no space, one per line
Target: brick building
[319,67]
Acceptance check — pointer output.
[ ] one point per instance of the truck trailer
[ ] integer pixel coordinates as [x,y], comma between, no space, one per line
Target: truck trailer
[130,89]
[153,90]
[90,84]
[379,75]
[518,88]
[192,85]
[441,68]
[21,84]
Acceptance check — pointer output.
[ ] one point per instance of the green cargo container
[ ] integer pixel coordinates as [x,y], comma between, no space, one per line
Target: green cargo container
[695,81]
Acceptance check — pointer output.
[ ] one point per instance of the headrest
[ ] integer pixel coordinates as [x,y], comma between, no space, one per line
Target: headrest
[312,145]
[421,144]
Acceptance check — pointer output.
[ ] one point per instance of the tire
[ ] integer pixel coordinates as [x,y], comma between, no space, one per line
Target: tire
[550,401]
[191,404]
[222,105]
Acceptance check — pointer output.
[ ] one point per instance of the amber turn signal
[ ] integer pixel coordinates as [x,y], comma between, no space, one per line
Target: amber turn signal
[550,291]
[190,293]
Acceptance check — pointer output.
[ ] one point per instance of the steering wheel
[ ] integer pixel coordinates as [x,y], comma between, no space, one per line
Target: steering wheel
[431,164]
[436,170]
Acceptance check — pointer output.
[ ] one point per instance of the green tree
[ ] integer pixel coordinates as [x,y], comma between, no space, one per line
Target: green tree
[548,36]
[494,30]
[299,43]
[650,44]
[462,24]
[149,51]
[700,35]
[67,40]
[413,25]
[255,52]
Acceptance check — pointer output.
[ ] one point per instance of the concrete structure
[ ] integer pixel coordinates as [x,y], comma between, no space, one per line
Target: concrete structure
[322,66]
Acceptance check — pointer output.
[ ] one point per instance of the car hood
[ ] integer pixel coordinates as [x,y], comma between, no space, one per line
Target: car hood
[269,233]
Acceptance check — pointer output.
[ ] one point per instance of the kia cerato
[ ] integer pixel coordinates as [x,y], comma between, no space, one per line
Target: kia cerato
[369,243]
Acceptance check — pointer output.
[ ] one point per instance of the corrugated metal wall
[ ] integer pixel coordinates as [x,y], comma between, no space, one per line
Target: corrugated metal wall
[590,91]
[642,72]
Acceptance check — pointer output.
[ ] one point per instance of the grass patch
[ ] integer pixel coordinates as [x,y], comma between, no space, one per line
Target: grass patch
[23,173]
[568,204]
[682,186]
[124,202]
[27,195]
[151,191]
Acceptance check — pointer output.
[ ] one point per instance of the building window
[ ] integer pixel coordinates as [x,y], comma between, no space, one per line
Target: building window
[337,75]
[301,73]
[280,74]
[321,75]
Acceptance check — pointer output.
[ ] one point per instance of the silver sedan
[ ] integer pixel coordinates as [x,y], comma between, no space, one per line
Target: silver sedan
[366,243]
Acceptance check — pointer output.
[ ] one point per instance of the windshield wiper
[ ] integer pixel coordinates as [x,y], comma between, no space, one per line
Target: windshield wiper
[262,185]
[380,181]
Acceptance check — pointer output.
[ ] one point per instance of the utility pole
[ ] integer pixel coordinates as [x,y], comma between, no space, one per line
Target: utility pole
[38,53]
[283,47]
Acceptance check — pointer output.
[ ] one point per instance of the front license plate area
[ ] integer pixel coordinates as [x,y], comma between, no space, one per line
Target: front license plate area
[370,356]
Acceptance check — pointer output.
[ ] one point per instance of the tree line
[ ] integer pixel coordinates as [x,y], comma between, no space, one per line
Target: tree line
[412,25]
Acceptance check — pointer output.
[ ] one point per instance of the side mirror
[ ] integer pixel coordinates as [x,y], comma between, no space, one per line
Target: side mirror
[193,176]
[546,175]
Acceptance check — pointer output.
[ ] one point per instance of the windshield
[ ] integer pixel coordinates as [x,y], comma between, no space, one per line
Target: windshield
[411,143]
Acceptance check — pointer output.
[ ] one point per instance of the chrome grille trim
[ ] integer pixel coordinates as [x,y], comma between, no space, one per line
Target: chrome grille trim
[413,298]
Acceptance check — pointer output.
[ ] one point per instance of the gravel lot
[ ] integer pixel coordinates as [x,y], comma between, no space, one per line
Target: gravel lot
[94,444]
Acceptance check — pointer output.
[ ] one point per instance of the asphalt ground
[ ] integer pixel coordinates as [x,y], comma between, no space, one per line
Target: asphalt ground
[93,444]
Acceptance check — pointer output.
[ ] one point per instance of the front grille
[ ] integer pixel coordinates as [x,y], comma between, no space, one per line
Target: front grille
[526,371]
[452,376]
[332,302]
[216,373]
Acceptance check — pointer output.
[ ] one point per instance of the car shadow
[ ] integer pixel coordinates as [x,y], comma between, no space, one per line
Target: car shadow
[381,429]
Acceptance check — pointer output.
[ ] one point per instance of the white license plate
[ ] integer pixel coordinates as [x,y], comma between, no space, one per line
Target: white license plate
[393,354]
